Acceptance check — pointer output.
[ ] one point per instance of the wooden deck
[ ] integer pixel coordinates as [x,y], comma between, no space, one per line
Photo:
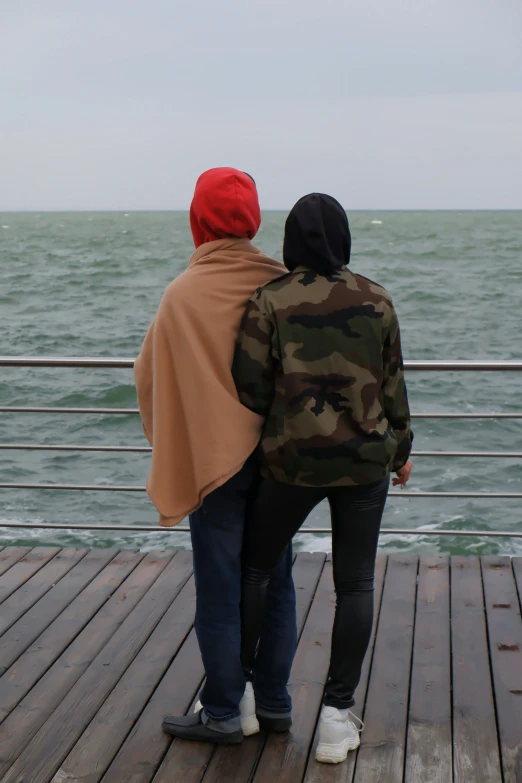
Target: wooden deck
[97,646]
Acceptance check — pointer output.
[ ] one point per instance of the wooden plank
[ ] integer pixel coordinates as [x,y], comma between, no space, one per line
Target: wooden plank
[141,753]
[11,555]
[429,746]
[232,763]
[342,773]
[38,585]
[184,762]
[28,669]
[475,742]
[26,567]
[43,755]
[517,570]
[96,748]
[285,755]
[381,756]
[23,633]
[24,721]
[306,574]
[145,747]
[189,762]
[505,647]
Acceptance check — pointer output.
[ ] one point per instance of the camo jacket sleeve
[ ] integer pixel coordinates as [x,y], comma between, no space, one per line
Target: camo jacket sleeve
[253,366]
[396,407]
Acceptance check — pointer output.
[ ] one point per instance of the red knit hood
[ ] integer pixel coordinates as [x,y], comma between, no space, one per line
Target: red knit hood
[225,204]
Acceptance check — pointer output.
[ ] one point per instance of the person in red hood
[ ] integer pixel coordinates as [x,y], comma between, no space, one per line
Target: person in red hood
[225,204]
[203,458]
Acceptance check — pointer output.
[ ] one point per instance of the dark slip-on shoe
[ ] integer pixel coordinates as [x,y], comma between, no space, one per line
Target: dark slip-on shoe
[274,723]
[191,727]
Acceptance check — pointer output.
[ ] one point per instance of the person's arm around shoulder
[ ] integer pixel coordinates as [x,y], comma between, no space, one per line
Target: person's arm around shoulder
[396,406]
[253,369]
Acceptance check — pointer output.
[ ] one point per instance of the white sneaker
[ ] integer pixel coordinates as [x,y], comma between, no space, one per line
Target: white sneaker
[338,734]
[247,708]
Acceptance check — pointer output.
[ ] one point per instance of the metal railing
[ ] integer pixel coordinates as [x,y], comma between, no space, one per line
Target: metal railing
[126,363]
[112,363]
[136,488]
[135,412]
[314,530]
[148,450]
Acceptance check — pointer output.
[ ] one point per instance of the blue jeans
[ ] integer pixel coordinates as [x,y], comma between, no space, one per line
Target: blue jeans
[217,530]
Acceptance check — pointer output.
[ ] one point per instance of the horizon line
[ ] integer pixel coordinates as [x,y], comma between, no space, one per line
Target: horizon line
[129,210]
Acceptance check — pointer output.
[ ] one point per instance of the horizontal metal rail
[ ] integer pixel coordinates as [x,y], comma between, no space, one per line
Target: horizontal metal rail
[65,447]
[75,487]
[148,449]
[134,488]
[135,412]
[121,363]
[470,454]
[465,415]
[98,411]
[98,362]
[391,531]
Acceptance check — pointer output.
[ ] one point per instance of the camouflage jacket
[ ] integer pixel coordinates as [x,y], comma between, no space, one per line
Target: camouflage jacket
[320,358]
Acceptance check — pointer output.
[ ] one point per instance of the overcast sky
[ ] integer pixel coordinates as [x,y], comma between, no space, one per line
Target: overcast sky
[118,104]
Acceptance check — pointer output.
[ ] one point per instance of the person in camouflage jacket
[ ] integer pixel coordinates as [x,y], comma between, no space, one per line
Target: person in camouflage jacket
[319,356]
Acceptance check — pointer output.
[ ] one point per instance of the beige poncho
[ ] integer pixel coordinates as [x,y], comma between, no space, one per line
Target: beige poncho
[200,433]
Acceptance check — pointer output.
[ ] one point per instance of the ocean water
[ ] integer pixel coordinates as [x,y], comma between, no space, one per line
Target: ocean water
[89,284]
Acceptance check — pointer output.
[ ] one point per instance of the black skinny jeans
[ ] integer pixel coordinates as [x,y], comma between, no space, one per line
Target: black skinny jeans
[278,513]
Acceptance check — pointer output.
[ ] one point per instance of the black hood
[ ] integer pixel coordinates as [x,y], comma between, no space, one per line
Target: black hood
[317,235]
